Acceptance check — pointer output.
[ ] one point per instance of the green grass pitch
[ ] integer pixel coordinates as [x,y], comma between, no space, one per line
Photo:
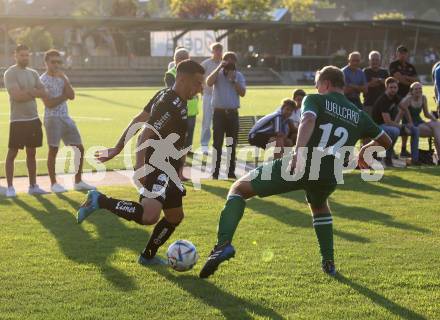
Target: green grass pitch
[387,239]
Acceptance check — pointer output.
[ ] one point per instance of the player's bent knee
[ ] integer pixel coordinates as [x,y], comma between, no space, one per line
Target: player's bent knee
[242,188]
[149,220]
[174,216]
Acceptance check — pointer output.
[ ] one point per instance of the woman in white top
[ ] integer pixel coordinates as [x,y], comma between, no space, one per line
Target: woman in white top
[417,102]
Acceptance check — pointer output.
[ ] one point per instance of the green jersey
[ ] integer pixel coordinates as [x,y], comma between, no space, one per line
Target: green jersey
[339,124]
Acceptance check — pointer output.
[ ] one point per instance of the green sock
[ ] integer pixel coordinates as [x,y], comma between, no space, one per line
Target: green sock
[323,225]
[230,217]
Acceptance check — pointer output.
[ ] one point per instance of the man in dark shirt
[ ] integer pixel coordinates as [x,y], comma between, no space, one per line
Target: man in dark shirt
[164,140]
[406,74]
[403,71]
[375,76]
[387,113]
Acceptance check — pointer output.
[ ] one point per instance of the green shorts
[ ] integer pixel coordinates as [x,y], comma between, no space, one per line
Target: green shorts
[267,180]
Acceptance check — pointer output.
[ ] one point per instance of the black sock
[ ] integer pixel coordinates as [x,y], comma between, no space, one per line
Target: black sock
[161,233]
[131,211]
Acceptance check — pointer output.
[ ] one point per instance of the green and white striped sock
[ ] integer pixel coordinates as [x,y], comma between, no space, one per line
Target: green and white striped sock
[323,225]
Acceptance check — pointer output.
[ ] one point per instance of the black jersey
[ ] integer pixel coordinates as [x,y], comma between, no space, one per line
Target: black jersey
[168,115]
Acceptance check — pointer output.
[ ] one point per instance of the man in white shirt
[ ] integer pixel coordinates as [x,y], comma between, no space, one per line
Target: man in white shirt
[59,126]
[210,65]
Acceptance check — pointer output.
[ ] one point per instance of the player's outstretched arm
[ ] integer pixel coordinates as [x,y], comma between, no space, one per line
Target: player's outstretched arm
[382,141]
[134,126]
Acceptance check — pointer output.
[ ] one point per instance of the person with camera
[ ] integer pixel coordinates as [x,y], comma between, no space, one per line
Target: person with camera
[388,111]
[228,86]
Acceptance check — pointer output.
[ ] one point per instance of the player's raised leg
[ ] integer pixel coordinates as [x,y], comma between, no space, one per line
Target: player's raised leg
[142,213]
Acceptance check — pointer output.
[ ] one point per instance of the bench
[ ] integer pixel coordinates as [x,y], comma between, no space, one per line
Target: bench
[245,125]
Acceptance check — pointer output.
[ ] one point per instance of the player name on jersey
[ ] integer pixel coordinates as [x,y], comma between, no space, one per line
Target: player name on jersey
[344,113]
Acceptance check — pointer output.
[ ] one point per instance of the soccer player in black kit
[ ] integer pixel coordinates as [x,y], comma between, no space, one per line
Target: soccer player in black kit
[161,192]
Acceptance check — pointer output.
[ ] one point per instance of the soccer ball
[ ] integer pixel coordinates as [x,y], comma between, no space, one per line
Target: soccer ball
[182,255]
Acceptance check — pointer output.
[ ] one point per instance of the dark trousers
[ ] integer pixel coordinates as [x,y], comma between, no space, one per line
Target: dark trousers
[225,122]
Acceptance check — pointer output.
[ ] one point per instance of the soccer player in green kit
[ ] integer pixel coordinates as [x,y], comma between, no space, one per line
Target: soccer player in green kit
[329,122]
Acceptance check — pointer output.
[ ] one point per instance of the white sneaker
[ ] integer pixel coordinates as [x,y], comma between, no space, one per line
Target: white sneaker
[83,186]
[10,192]
[35,190]
[57,188]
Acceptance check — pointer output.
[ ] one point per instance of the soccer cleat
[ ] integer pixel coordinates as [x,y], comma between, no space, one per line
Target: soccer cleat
[155,261]
[218,255]
[328,266]
[89,206]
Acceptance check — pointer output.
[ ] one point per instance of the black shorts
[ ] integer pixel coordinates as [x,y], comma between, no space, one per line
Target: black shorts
[25,134]
[159,186]
[260,140]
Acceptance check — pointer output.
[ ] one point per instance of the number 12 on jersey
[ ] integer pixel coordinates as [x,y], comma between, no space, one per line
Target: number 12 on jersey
[339,132]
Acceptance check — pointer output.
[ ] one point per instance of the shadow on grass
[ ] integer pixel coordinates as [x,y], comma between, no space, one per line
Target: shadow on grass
[392,307]
[399,182]
[283,214]
[79,246]
[354,183]
[112,102]
[231,307]
[367,215]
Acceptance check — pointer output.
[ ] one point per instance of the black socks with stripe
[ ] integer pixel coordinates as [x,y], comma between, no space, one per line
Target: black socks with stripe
[161,233]
[131,211]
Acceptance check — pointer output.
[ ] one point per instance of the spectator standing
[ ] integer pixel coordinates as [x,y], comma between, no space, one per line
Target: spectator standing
[375,76]
[387,113]
[355,81]
[59,125]
[406,74]
[209,65]
[192,104]
[24,86]
[228,86]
